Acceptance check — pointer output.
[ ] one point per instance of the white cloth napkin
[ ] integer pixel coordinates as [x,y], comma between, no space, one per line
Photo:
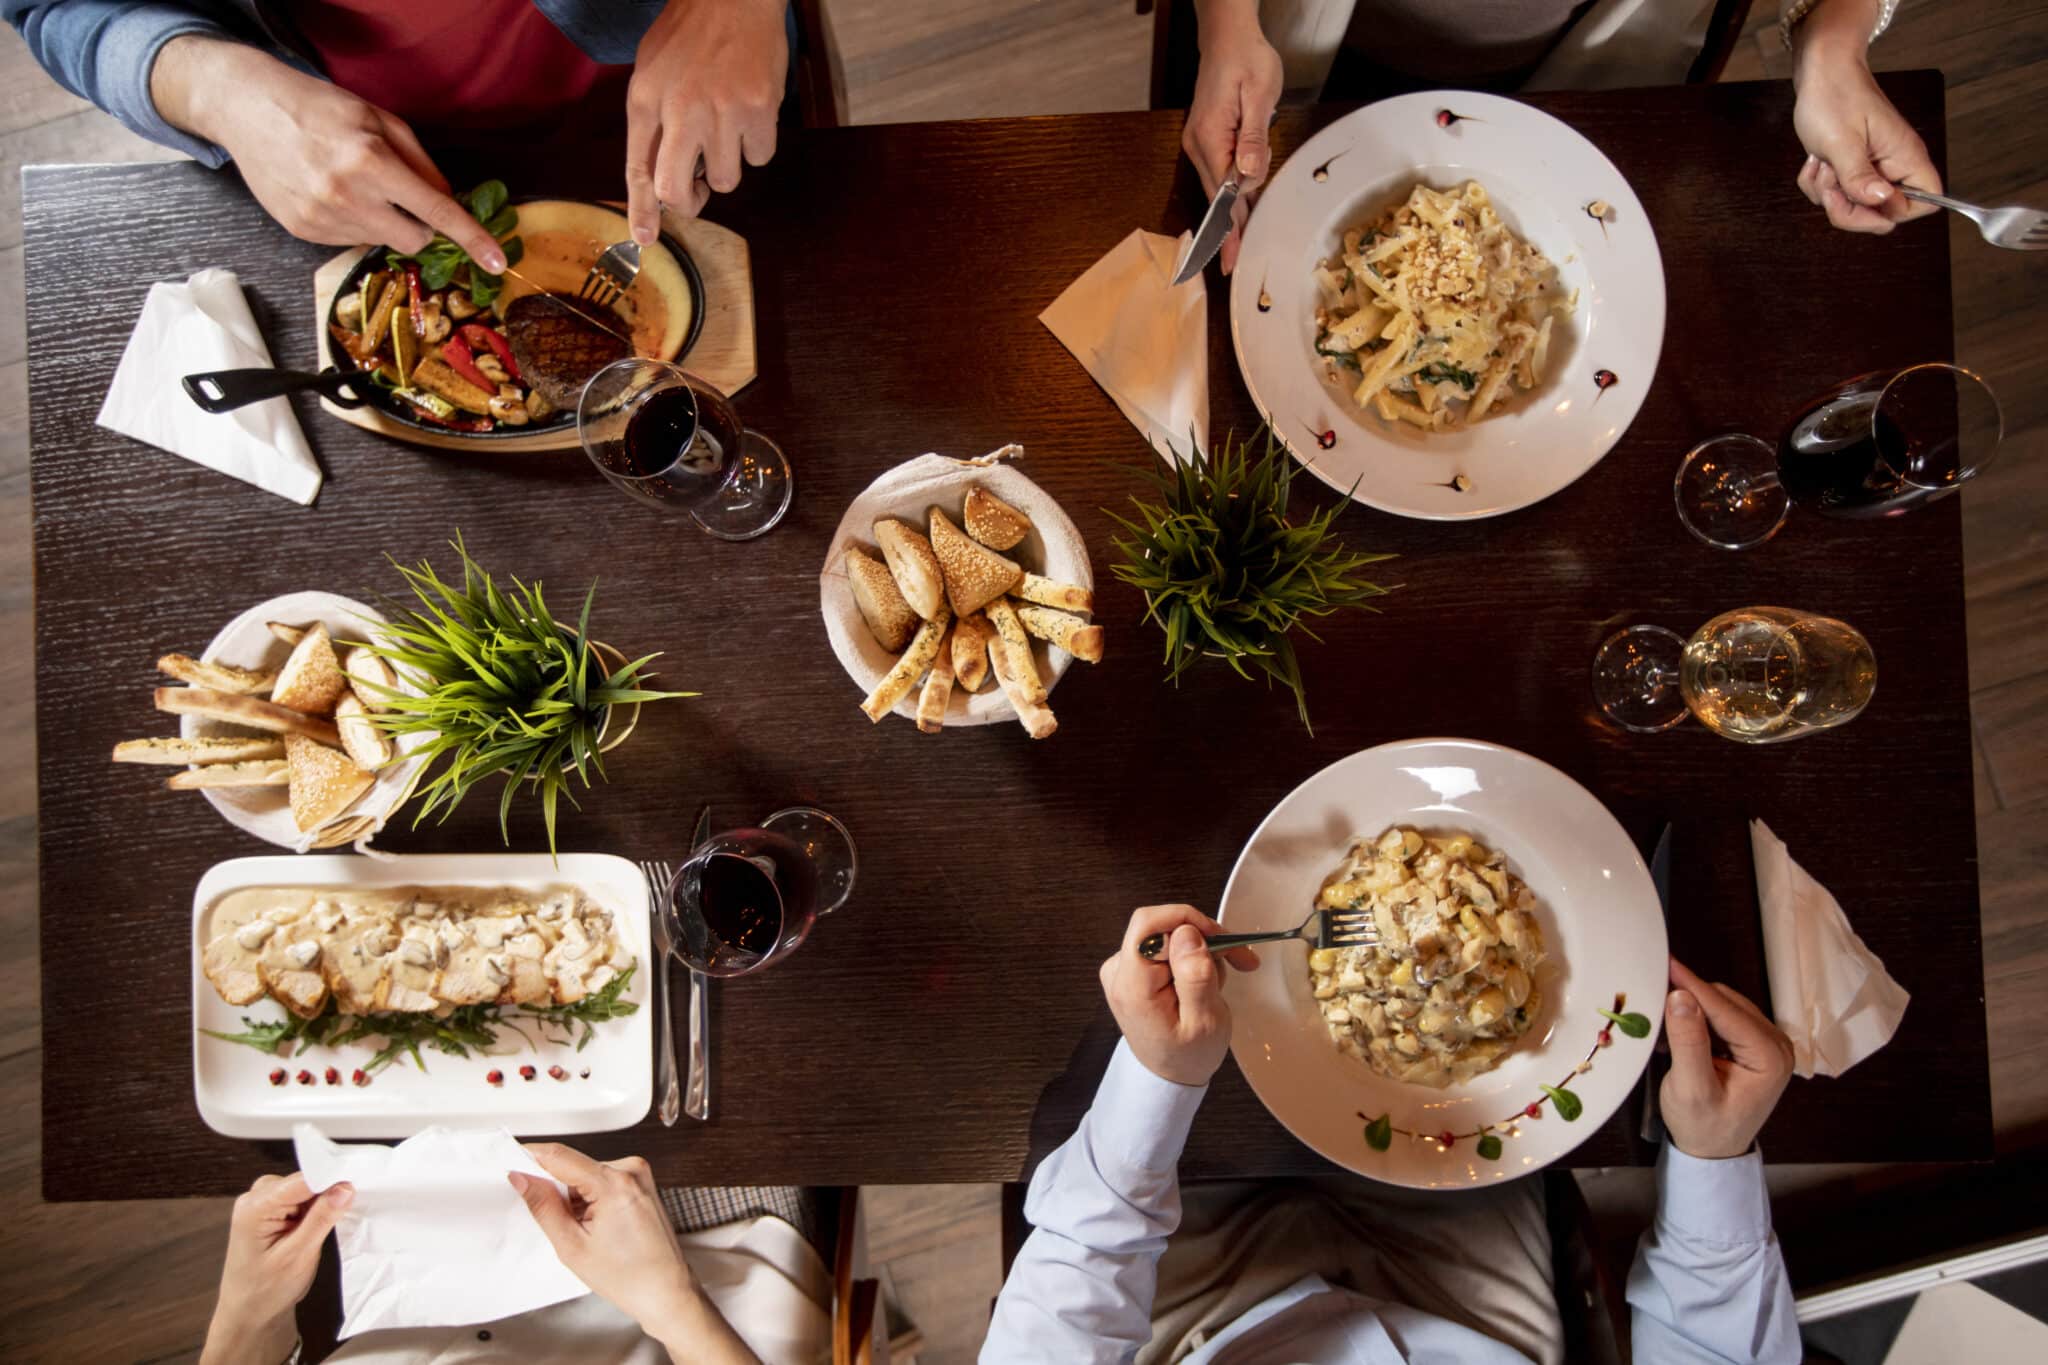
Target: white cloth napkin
[1832,996]
[436,1236]
[1143,338]
[204,324]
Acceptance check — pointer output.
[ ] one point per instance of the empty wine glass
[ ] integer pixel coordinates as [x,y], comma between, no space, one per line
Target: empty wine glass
[1759,675]
[749,896]
[673,440]
[1877,445]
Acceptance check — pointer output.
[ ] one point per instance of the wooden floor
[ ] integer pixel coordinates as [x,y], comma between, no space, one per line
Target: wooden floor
[135,1281]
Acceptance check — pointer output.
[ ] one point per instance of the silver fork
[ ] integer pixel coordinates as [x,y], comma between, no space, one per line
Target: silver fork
[1322,929]
[659,878]
[2013,227]
[613,274]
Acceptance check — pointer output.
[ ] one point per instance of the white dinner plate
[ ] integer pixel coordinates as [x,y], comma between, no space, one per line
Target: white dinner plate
[232,1081]
[1603,934]
[1542,176]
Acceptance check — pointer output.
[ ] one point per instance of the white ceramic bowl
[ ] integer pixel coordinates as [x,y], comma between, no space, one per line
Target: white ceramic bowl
[1603,934]
[1542,175]
[265,812]
[907,492]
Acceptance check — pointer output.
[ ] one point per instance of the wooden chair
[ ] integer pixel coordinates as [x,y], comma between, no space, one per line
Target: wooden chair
[859,1331]
[819,75]
[1589,1285]
[1175,55]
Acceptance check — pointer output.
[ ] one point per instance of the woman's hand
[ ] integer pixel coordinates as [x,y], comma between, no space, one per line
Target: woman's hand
[1859,148]
[329,167]
[1714,1107]
[1172,1012]
[1237,89]
[274,1238]
[614,1235]
[707,82]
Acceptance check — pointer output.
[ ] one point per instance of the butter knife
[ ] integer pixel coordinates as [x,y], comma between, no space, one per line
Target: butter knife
[1652,1129]
[697,1089]
[1208,239]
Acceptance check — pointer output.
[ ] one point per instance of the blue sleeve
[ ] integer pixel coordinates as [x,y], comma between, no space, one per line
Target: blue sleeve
[1101,1209]
[103,50]
[1709,1284]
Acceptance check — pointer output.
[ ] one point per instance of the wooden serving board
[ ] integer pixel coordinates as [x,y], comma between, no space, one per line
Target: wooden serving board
[723,354]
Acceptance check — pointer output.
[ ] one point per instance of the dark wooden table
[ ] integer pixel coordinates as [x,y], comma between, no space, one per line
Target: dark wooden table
[947,1024]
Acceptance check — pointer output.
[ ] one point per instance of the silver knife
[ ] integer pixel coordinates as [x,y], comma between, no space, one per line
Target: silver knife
[1653,1074]
[697,1091]
[1208,239]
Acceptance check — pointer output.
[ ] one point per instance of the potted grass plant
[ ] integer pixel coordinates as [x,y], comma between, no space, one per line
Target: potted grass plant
[501,688]
[1227,574]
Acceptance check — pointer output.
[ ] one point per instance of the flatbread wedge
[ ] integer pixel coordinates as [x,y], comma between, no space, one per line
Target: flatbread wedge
[262,772]
[975,575]
[363,740]
[219,677]
[916,659]
[368,675]
[1046,593]
[206,749]
[938,689]
[1016,645]
[311,679]
[324,782]
[992,521]
[1071,633]
[914,566]
[971,635]
[250,711]
[880,601]
[1035,716]
[290,634]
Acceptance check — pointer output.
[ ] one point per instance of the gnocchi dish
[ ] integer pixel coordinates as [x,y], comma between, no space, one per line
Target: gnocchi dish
[1451,985]
[1438,309]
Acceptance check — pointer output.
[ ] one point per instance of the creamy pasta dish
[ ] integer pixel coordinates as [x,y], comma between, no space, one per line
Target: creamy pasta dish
[1439,310]
[1451,985]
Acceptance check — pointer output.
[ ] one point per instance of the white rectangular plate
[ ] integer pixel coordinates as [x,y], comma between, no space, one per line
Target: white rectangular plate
[232,1081]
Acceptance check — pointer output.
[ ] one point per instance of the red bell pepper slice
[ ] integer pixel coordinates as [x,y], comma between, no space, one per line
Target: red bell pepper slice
[481,338]
[418,297]
[463,363]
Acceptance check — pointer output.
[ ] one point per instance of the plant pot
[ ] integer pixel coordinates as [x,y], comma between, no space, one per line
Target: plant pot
[607,741]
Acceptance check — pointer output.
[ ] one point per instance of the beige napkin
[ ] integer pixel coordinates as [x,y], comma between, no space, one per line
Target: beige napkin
[1144,339]
[1831,994]
[204,324]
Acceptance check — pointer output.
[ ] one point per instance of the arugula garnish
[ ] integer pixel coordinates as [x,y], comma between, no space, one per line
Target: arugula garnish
[441,258]
[591,1010]
[1443,372]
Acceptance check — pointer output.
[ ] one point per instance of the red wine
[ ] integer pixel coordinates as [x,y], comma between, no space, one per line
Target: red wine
[740,904]
[1846,456]
[747,896]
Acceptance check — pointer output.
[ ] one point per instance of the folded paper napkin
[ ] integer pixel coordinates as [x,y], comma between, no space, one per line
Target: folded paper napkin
[204,324]
[436,1235]
[1144,339]
[1831,994]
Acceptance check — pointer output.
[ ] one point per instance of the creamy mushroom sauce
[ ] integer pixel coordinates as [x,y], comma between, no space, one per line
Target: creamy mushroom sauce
[406,948]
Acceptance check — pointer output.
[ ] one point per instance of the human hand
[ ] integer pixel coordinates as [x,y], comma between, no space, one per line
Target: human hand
[707,82]
[1172,1012]
[1714,1107]
[1859,148]
[1237,88]
[329,167]
[614,1235]
[274,1238]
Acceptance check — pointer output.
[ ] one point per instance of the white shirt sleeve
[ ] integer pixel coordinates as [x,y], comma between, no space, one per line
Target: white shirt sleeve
[1709,1283]
[1101,1208]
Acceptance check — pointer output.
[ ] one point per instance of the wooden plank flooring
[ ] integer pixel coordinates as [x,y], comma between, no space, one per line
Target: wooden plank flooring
[135,1281]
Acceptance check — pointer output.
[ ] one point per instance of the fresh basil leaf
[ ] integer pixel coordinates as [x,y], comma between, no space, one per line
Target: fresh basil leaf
[1569,1106]
[486,199]
[1633,1024]
[501,222]
[1379,1134]
[436,269]
[1489,1147]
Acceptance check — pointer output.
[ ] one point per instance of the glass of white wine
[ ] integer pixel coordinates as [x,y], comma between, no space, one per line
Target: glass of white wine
[1759,675]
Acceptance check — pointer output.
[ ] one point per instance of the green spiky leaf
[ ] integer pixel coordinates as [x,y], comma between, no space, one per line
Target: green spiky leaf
[1379,1133]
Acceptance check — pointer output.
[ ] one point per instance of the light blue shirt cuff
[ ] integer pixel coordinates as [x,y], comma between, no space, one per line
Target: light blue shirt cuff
[1721,1201]
[1140,1121]
[129,45]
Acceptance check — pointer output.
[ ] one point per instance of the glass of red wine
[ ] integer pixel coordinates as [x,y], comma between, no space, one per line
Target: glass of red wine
[749,896]
[672,440]
[1878,445]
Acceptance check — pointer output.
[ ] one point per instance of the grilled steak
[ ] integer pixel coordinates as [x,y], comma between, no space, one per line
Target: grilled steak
[560,341]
